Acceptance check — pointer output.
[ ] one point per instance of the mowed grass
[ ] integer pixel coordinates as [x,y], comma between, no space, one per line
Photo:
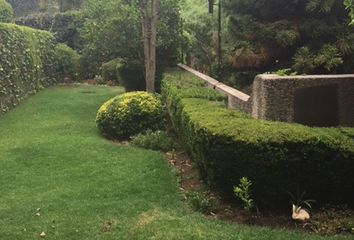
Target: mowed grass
[52,157]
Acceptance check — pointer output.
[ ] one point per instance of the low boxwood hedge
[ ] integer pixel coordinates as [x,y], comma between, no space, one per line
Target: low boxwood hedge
[277,157]
[27,63]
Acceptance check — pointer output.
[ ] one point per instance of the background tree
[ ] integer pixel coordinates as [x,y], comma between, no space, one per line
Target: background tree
[113,29]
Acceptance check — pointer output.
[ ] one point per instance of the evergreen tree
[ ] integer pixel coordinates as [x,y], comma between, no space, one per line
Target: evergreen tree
[311,36]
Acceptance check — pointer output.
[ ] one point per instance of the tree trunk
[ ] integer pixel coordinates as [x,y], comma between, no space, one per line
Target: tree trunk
[149,32]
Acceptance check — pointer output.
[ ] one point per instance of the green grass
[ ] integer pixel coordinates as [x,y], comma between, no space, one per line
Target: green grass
[52,157]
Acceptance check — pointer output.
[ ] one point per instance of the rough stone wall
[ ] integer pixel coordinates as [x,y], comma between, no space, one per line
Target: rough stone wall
[273,95]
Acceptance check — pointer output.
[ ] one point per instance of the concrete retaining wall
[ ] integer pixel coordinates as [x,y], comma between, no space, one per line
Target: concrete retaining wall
[293,98]
[236,99]
[274,97]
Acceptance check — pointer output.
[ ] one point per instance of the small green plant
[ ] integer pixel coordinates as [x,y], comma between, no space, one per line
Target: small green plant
[243,192]
[200,202]
[154,140]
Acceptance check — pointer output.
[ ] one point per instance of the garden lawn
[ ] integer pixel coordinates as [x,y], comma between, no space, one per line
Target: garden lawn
[52,157]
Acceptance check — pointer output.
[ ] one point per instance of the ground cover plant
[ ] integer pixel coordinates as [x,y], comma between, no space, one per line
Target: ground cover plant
[53,158]
[154,140]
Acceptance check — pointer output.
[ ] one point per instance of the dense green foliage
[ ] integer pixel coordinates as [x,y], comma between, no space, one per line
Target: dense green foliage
[309,35]
[113,30]
[129,114]
[132,75]
[42,21]
[6,12]
[227,145]
[66,27]
[110,71]
[350,6]
[27,63]
[68,63]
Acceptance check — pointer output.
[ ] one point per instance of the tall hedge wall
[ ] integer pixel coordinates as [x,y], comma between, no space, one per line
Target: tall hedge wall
[277,157]
[27,63]
[6,12]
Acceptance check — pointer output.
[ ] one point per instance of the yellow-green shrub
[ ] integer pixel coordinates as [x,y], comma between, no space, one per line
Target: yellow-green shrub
[129,114]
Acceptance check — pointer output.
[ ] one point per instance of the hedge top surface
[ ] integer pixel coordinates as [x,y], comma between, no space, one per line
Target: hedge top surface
[186,85]
[143,100]
[214,117]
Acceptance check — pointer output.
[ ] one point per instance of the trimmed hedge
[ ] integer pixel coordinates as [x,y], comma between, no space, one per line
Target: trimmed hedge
[227,145]
[27,63]
[6,12]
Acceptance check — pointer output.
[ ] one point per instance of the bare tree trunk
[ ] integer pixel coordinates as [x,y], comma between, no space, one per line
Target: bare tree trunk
[149,30]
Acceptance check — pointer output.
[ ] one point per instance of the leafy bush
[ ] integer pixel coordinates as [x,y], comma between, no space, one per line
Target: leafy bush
[110,71]
[132,75]
[6,12]
[68,62]
[129,114]
[226,145]
[158,140]
[200,203]
[66,28]
[27,63]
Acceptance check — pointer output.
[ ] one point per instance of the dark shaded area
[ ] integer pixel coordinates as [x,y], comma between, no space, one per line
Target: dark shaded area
[316,106]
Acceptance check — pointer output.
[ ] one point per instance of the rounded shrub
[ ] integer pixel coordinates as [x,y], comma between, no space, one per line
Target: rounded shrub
[6,12]
[129,114]
[68,62]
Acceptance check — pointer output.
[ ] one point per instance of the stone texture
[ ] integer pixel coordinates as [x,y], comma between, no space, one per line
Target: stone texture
[273,95]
